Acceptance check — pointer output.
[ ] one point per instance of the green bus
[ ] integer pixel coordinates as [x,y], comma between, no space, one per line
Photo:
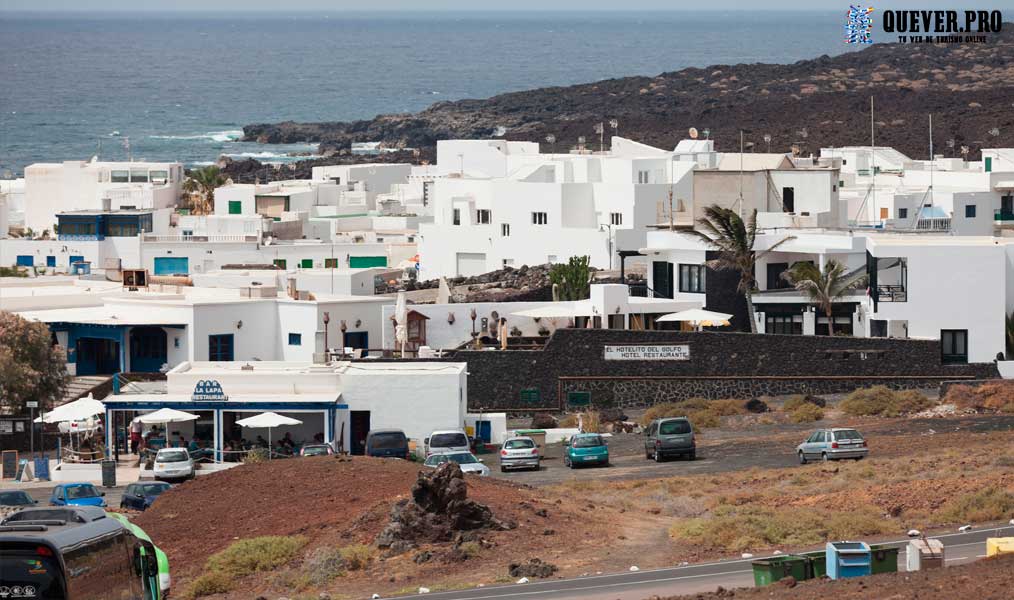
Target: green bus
[162,560]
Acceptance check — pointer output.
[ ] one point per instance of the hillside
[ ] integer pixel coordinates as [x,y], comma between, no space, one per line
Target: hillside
[824,101]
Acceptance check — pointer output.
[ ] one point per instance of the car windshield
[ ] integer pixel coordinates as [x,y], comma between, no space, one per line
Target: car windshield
[314,450]
[81,491]
[588,441]
[388,441]
[848,434]
[674,427]
[462,458]
[153,489]
[172,456]
[448,440]
[518,444]
[15,499]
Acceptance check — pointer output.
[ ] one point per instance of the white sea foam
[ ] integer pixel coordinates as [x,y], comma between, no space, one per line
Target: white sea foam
[231,135]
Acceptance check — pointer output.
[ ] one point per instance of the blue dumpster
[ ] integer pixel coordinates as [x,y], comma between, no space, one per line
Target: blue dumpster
[848,559]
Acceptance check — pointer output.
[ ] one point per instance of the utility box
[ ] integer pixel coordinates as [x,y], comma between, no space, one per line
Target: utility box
[924,554]
[816,563]
[885,559]
[997,546]
[848,559]
[770,570]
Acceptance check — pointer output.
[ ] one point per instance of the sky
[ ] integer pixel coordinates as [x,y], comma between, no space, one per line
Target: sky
[474,5]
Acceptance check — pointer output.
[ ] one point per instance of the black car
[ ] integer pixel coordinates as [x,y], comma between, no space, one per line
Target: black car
[139,496]
[387,443]
[16,498]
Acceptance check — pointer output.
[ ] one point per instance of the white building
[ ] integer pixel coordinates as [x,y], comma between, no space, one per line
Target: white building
[12,195]
[53,188]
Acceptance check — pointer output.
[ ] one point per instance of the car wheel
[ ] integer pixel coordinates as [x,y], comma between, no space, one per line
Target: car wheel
[692,455]
[802,458]
[823,456]
[658,456]
[567,463]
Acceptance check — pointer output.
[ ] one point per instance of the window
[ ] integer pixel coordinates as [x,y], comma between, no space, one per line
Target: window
[883,212]
[789,199]
[662,278]
[119,176]
[642,177]
[306,263]
[220,347]
[50,261]
[616,218]
[834,188]
[139,175]
[954,346]
[330,263]
[902,213]
[508,262]
[531,396]
[159,175]
[482,216]
[784,324]
[539,218]
[505,229]
[692,279]
[279,262]
[775,281]
[457,216]
[969,211]
[579,398]
[235,207]
[295,339]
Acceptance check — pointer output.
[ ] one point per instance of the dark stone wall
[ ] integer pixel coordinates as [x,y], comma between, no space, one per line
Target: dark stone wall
[721,294]
[721,365]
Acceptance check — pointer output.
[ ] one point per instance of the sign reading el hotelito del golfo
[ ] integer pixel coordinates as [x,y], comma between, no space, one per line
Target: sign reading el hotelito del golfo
[208,390]
[648,352]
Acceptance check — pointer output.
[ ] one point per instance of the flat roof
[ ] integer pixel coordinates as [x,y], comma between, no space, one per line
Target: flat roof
[95,211]
[97,315]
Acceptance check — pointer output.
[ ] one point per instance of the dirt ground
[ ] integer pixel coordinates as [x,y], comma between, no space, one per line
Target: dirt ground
[990,579]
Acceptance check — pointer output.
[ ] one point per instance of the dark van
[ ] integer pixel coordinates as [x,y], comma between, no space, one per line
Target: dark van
[670,437]
[75,553]
[387,443]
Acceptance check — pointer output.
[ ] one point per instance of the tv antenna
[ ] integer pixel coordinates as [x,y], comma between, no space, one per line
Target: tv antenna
[707,134]
[600,129]
[580,142]
[614,125]
[550,139]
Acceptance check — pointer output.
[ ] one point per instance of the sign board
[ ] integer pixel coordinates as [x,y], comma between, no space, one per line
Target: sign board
[10,464]
[24,471]
[31,404]
[6,426]
[108,473]
[42,468]
[208,390]
[648,352]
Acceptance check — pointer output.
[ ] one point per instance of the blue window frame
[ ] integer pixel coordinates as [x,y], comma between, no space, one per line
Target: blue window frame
[295,339]
[26,260]
[50,261]
[73,259]
[220,347]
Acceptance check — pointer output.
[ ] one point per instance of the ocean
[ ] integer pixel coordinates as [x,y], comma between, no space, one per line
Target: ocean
[181,86]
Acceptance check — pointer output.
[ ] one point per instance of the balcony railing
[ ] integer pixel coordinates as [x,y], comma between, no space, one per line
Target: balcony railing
[892,293]
[938,224]
[1003,216]
[150,237]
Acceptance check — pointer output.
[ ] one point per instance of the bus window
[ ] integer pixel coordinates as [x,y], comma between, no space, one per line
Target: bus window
[26,568]
[101,570]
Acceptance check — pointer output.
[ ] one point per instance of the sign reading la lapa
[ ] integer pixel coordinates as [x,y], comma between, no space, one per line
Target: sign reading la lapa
[208,390]
[648,352]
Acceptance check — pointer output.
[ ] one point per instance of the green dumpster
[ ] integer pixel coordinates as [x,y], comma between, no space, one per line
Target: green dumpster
[770,570]
[816,563]
[885,559]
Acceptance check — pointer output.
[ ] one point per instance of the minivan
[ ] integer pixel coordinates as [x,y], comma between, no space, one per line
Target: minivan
[673,436]
[444,441]
[387,443]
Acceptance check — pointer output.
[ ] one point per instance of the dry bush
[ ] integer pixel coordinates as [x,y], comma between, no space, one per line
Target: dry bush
[255,554]
[356,556]
[998,396]
[806,413]
[797,400]
[568,422]
[702,413]
[208,584]
[989,504]
[323,565]
[882,401]
[964,397]
[590,422]
[469,549]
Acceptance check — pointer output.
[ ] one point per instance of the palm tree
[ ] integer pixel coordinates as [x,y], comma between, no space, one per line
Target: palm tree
[725,230]
[824,287]
[202,183]
[1009,332]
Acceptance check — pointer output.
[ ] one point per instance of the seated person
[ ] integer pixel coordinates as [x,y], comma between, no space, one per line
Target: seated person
[194,446]
[287,441]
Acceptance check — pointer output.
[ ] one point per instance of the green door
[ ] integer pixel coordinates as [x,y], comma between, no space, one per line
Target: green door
[279,262]
[306,263]
[235,207]
[363,262]
[989,164]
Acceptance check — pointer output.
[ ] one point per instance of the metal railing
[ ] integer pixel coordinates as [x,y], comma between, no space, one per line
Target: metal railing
[150,237]
[892,293]
[1003,216]
[937,224]
[641,290]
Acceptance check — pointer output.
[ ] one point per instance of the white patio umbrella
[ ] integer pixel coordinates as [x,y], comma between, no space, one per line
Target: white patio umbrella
[268,420]
[558,310]
[401,320]
[698,316]
[166,416]
[78,410]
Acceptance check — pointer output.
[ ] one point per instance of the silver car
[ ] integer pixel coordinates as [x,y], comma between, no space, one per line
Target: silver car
[174,464]
[519,453]
[832,444]
[466,460]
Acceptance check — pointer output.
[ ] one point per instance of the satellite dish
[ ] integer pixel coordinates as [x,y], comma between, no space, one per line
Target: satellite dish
[551,138]
[693,133]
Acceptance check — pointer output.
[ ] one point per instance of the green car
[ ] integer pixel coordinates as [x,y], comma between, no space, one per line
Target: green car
[161,559]
[586,449]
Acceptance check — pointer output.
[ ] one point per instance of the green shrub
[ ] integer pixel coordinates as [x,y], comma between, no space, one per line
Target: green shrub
[255,554]
[213,582]
[255,456]
[988,504]
[806,413]
[882,401]
[797,400]
[469,549]
[356,556]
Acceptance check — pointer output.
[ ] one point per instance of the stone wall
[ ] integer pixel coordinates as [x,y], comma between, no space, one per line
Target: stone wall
[720,365]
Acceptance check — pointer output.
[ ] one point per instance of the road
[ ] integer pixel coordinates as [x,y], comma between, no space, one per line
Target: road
[113,495]
[958,548]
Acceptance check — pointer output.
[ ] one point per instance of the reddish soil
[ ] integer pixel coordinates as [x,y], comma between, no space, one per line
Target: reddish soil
[989,579]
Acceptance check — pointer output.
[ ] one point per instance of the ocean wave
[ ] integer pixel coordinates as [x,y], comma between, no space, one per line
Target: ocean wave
[230,135]
[269,156]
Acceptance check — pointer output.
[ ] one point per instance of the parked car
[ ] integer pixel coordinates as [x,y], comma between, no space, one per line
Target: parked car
[832,444]
[77,494]
[586,449]
[316,450]
[387,443]
[174,464]
[466,460]
[16,498]
[139,496]
[446,441]
[670,437]
[519,453]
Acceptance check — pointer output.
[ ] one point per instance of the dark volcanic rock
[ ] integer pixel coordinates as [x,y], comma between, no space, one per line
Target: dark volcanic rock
[533,568]
[813,103]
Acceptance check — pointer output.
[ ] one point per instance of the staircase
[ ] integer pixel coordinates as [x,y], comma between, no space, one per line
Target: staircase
[79,387]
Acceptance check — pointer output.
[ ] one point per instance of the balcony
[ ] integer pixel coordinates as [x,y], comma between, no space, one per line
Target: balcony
[151,237]
[1003,217]
[935,224]
[892,293]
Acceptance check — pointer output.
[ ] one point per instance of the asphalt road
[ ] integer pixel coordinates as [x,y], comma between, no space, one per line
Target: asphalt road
[958,548]
[113,495]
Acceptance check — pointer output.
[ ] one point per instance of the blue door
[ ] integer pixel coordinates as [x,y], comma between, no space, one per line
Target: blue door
[357,339]
[484,431]
[26,260]
[73,259]
[50,261]
[220,347]
[172,265]
[148,350]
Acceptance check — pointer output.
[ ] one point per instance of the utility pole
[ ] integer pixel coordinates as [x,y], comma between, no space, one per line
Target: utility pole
[873,159]
[740,173]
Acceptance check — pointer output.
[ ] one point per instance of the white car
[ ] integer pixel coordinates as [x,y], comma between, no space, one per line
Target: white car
[174,463]
[447,441]
[466,460]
